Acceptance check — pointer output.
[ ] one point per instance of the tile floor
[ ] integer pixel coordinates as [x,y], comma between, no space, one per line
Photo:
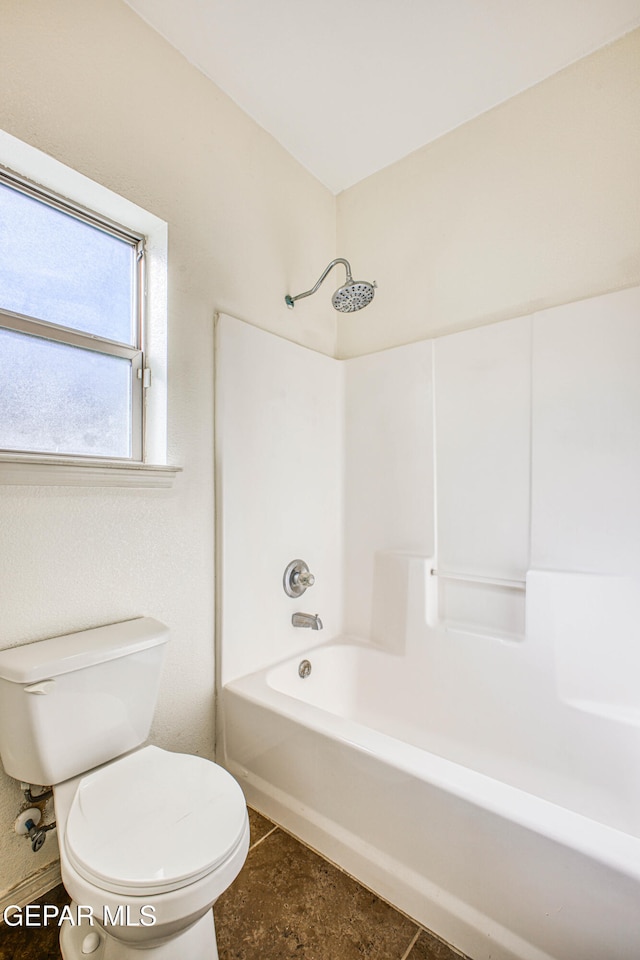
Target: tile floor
[286,902]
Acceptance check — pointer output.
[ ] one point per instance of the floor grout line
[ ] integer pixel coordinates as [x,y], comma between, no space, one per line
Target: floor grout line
[258,842]
[405,955]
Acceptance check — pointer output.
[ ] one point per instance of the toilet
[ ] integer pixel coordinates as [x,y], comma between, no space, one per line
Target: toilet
[148,839]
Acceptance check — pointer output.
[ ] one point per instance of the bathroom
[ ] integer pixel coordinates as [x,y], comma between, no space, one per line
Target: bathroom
[527,207]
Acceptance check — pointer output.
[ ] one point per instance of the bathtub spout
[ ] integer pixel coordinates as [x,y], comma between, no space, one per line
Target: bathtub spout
[307,620]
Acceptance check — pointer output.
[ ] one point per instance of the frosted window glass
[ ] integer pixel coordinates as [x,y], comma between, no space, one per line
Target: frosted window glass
[57,268]
[56,398]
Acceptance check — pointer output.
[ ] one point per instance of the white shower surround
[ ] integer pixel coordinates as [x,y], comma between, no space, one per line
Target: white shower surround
[501,808]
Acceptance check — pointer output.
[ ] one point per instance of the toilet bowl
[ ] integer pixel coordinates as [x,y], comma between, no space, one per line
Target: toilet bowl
[148,843]
[148,839]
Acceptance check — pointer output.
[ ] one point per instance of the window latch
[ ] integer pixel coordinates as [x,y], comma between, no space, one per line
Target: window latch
[144,374]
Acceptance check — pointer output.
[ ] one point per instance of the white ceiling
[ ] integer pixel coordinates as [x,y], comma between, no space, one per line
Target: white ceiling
[350,86]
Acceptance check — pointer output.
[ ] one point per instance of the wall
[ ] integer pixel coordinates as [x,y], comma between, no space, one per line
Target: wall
[532,204]
[507,459]
[498,450]
[92,85]
[388,482]
[279,493]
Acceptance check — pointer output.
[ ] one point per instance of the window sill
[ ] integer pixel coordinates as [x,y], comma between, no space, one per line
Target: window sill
[62,472]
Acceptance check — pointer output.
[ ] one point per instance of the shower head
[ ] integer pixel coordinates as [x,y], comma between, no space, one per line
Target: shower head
[354,295]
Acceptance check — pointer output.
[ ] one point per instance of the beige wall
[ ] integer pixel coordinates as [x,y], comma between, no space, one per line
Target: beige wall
[532,204]
[92,85]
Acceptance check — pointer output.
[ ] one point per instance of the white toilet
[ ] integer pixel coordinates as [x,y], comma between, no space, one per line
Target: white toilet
[148,839]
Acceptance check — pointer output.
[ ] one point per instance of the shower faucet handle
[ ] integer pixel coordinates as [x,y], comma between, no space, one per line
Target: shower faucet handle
[297,578]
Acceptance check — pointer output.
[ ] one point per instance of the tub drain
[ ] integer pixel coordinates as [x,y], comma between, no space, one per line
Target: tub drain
[304,669]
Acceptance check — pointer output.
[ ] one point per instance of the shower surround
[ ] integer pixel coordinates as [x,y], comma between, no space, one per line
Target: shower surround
[468,740]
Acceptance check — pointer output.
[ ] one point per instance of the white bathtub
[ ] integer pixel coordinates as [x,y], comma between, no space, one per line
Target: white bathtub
[457,807]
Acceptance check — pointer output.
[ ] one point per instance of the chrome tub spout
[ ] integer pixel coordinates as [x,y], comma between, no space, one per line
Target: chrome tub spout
[307,620]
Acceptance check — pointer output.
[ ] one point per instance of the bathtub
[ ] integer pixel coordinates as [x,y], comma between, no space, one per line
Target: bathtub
[424,802]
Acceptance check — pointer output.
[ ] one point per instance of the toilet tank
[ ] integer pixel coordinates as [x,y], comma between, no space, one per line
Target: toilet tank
[70,703]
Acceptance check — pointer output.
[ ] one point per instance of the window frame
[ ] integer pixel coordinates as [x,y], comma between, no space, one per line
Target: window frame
[46,330]
[154,471]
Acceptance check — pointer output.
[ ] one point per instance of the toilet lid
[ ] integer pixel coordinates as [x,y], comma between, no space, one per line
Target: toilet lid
[154,821]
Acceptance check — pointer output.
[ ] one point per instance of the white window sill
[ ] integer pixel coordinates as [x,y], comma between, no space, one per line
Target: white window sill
[75,472]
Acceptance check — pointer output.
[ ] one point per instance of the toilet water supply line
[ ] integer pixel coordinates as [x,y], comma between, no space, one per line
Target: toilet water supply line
[35,833]
[47,793]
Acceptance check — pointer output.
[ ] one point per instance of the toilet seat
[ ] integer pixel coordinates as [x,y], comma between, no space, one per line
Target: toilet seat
[154,821]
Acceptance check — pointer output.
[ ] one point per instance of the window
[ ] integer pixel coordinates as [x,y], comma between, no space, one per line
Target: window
[72,367]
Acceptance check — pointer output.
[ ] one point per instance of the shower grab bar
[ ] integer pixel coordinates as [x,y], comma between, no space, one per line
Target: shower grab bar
[471,578]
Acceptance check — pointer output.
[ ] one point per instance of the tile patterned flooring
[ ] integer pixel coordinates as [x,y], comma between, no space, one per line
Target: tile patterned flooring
[286,902]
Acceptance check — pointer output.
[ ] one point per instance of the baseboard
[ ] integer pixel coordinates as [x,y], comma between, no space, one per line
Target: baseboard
[32,888]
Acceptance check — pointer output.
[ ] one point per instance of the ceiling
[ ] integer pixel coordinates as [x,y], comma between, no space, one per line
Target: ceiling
[350,86]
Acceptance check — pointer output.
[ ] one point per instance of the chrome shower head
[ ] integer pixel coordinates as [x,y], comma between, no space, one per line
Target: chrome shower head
[354,295]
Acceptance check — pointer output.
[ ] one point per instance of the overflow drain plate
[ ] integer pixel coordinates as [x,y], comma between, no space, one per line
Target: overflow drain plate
[304,669]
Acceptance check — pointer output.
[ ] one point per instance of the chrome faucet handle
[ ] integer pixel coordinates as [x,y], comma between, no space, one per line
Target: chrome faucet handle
[297,577]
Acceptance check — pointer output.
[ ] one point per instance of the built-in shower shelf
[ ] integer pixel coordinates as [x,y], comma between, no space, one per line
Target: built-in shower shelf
[472,578]
[454,629]
[476,605]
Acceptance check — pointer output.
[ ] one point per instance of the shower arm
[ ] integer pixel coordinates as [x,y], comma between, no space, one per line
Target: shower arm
[291,300]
